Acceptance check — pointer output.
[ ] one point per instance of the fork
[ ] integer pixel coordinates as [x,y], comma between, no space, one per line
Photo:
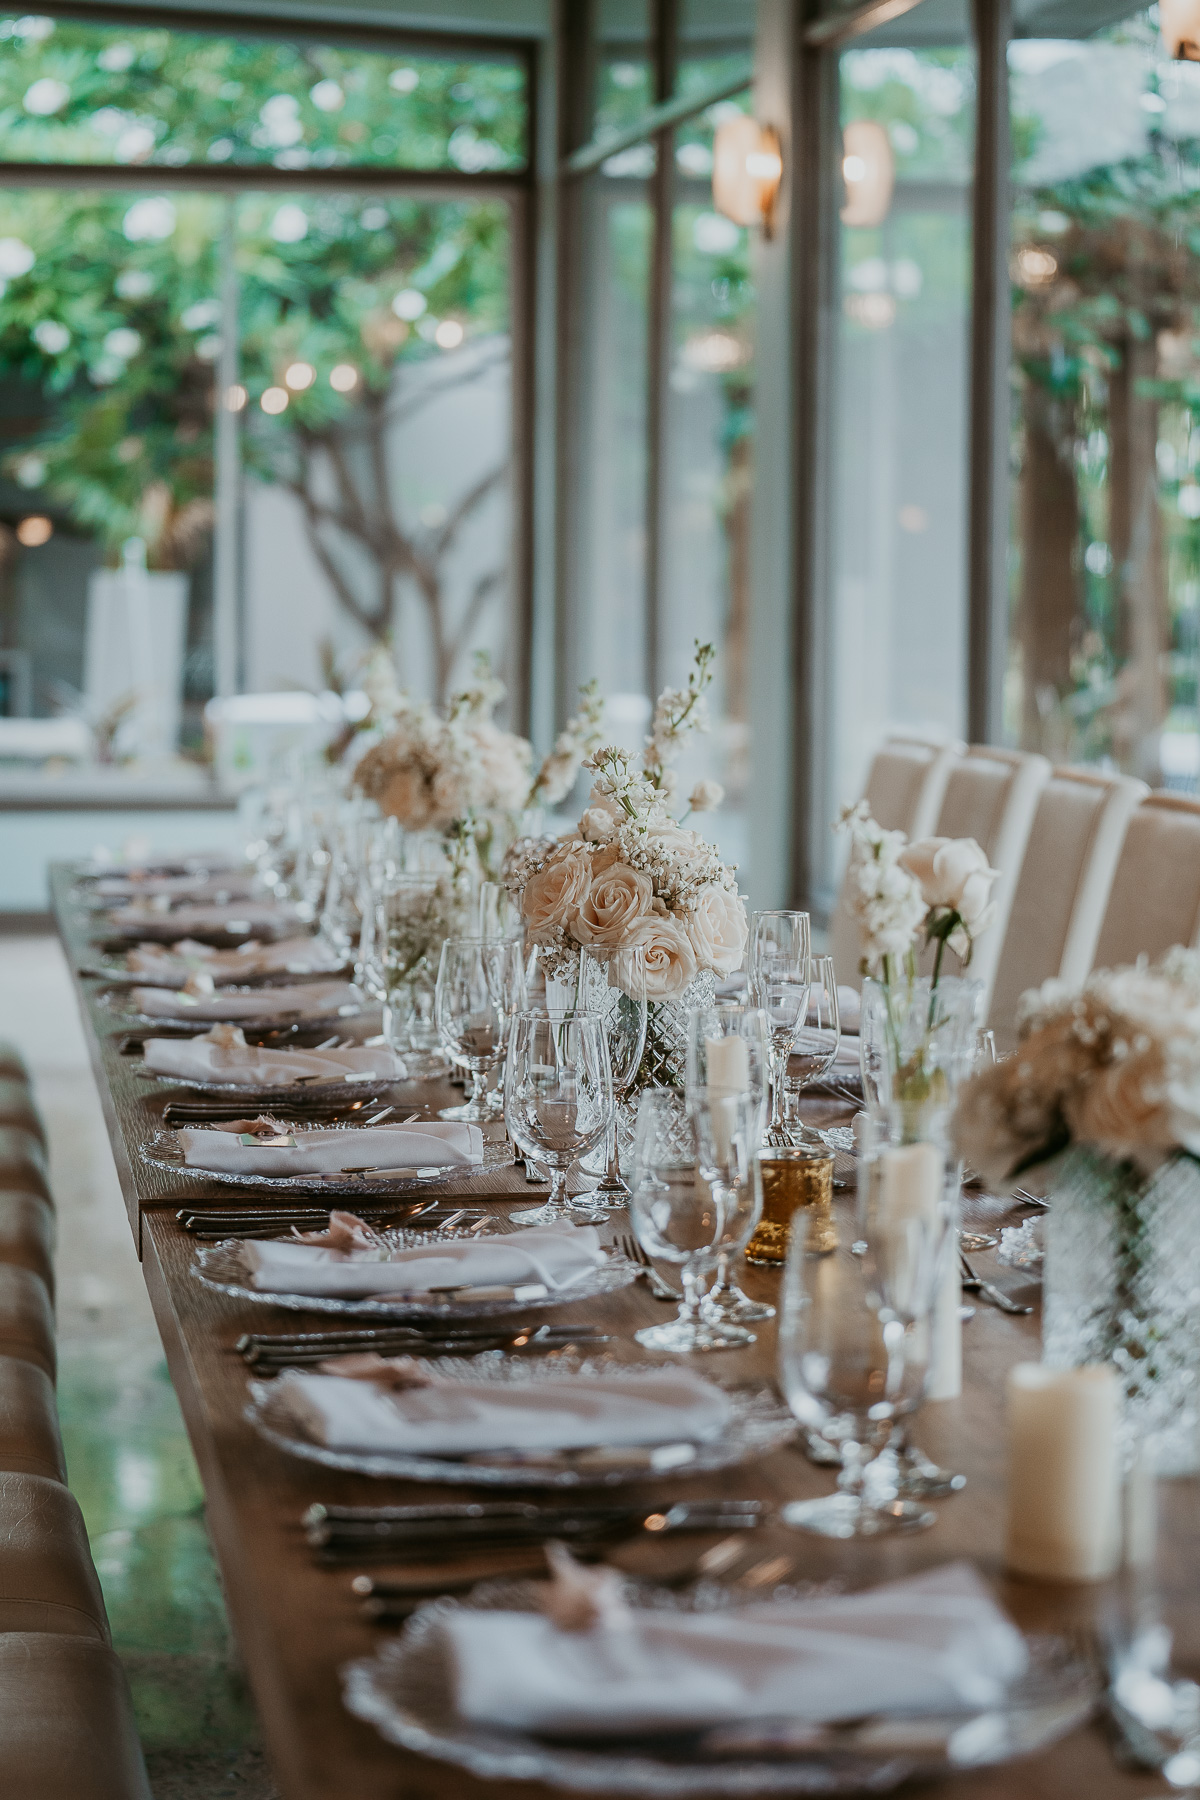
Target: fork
[633,1251]
[995,1296]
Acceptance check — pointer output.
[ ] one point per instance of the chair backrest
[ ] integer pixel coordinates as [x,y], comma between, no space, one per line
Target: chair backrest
[1064,885]
[992,796]
[904,790]
[1155,897]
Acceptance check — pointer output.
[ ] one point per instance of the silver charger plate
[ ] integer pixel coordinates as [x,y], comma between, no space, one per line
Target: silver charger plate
[349,1085]
[116,1002]
[760,1424]
[163,1151]
[406,1693]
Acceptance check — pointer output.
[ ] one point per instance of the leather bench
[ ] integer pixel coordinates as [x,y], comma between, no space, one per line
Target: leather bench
[12,1063]
[27,1233]
[26,1318]
[48,1581]
[30,1440]
[66,1721]
[23,1160]
[18,1107]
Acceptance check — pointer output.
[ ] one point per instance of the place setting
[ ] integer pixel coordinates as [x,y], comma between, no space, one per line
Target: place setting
[175,964]
[222,1064]
[307,1004]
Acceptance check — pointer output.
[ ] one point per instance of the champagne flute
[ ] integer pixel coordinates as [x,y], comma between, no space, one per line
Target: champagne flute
[616,992]
[675,1216]
[728,1130]
[814,1046]
[558,1101]
[729,1053]
[778,981]
[470,1020]
[849,1368]
[504,966]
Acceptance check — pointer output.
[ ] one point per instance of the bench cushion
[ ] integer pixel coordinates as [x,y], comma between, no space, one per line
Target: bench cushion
[23,1160]
[26,1317]
[66,1721]
[48,1581]
[12,1063]
[18,1107]
[27,1233]
[30,1442]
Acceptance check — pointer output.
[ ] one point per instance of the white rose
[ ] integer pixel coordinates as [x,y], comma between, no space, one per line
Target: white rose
[617,898]
[551,899]
[670,959]
[706,796]
[718,929]
[596,825]
[953,873]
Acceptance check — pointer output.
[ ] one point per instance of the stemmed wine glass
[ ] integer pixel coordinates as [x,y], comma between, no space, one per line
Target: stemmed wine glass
[780,945]
[814,1045]
[849,1367]
[616,992]
[729,1053]
[676,1217]
[470,1018]
[558,1101]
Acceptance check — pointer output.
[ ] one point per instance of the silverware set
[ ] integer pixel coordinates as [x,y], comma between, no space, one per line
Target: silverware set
[365,1111]
[629,1247]
[268,1353]
[974,1284]
[257,1222]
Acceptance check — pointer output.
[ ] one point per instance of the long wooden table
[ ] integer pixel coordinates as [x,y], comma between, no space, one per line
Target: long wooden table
[298,1623]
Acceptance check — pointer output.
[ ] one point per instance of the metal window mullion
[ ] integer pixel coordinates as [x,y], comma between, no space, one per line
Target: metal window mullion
[991,326]
[658,342]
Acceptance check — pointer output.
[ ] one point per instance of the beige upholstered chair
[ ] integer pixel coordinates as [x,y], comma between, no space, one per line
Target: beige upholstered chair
[1064,885]
[904,791]
[1155,898]
[992,796]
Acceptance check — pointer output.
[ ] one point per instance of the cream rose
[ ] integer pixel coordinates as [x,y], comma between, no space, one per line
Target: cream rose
[670,959]
[617,898]
[552,898]
[954,873]
[717,929]
[596,825]
[405,796]
[1124,1108]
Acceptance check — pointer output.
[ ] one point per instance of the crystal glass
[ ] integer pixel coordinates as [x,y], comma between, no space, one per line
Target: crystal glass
[413,917]
[504,963]
[917,1042]
[558,1100]
[780,947]
[499,913]
[814,1046]
[728,1133]
[849,1369]
[676,1217]
[471,1019]
[623,1007]
[729,1053]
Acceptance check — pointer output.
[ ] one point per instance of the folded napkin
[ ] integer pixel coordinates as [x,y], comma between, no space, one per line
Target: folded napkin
[313,1000]
[223,1054]
[934,1643]
[170,965]
[154,919]
[457,1417]
[552,1257]
[200,886]
[433,1143]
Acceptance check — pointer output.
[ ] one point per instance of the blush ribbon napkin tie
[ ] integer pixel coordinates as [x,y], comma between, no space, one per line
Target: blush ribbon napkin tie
[432,1143]
[933,1643]
[223,1054]
[554,1258]
[170,965]
[460,1417]
[312,999]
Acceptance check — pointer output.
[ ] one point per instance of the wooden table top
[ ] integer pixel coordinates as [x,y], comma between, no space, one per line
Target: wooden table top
[298,1623]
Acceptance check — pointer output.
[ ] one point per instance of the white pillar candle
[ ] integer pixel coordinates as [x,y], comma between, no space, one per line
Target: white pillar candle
[728,1060]
[912,1182]
[1064,1484]
[913,1178]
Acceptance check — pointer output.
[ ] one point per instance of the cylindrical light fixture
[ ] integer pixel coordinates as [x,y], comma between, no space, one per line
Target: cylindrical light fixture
[868,172]
[747,170]
[1179,22]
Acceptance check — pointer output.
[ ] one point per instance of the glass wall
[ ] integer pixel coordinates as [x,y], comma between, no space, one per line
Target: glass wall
[1105,597]
[899,402]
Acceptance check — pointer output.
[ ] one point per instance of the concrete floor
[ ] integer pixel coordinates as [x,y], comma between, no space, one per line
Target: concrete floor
[128,1457]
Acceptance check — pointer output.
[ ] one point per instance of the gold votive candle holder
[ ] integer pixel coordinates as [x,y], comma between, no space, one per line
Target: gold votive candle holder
[794,1180]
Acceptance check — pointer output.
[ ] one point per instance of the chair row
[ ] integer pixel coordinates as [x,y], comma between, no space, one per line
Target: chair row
[66,1720]
[1095,870]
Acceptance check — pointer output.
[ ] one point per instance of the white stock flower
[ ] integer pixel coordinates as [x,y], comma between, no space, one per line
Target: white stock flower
[596,825]
[706,796]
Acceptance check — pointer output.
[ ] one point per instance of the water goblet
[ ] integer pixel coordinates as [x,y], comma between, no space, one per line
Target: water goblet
[470,1020]
[676,1217]
[778,984]
[849,1369]
[558,1101]
[814,1046]
[504,966]
[615,990]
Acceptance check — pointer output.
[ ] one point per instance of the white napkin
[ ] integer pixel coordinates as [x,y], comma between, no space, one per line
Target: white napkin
[553,1257]
[146,919]
[170,965]
[223,1054]
[312,1000]
[433,1143]
[454,1418]
[936,1642]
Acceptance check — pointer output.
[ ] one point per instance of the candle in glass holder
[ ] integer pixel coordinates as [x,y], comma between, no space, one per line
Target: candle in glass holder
[1064,1473]
[727,1064]
[794,1179]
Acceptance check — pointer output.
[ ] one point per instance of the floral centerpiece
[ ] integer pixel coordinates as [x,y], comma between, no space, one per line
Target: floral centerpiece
[461,775]
[632,875]
[918,1031]
[1103,1096]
